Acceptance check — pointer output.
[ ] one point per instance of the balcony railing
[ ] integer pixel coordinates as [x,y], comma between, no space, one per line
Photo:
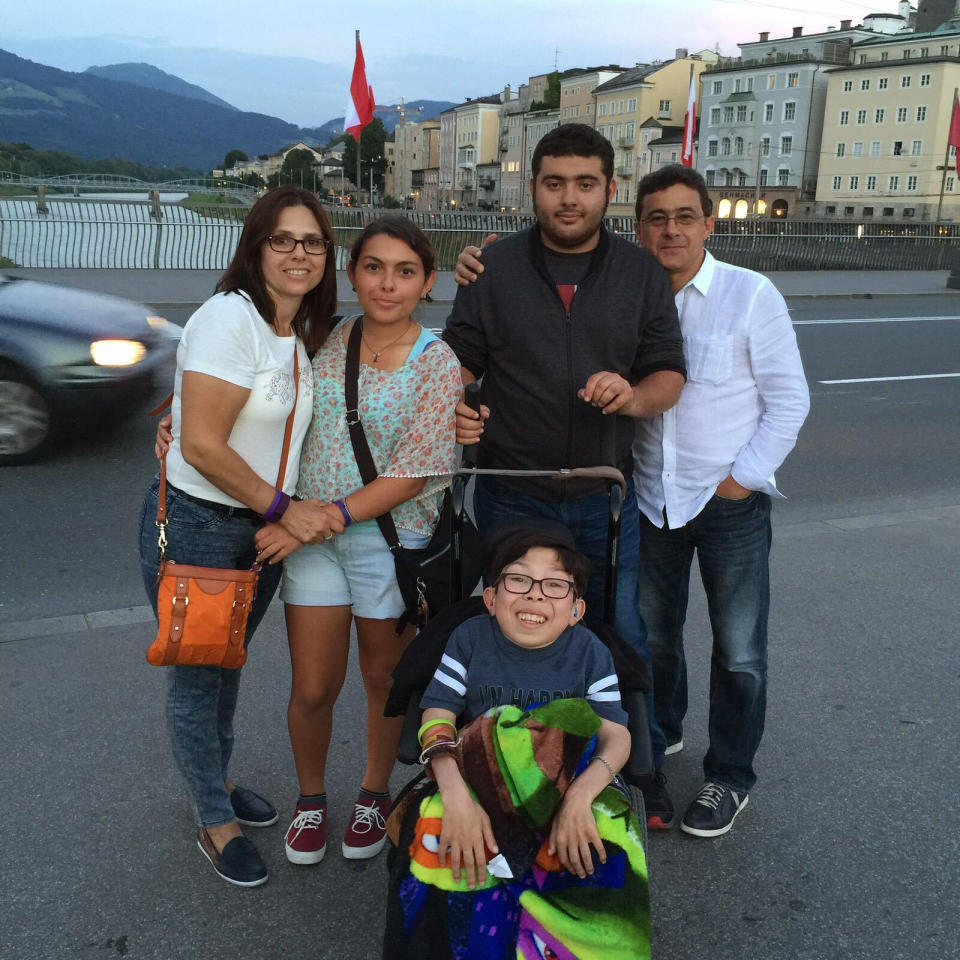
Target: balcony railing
[624,171]
[625,142]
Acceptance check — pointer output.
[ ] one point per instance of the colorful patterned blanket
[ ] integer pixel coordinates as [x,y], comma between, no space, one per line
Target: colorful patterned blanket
[518,765]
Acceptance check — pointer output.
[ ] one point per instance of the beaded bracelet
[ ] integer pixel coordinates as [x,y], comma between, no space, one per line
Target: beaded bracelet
[603,760]
[344,512]
[436,749]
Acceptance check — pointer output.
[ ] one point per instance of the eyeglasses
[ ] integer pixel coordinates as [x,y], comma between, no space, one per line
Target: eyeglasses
[315,246]
[551,587]
[659,220]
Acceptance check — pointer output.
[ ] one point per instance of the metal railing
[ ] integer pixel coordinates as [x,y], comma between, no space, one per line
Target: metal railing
[131,234]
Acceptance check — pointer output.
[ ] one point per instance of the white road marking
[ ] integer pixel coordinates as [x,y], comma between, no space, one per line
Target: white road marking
[918,376]
[808,323]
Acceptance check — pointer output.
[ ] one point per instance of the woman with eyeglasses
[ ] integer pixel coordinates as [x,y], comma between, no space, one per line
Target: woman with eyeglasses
[408,387]
[242,367]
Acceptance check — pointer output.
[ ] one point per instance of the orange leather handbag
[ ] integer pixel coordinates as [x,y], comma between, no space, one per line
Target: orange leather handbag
[202,612]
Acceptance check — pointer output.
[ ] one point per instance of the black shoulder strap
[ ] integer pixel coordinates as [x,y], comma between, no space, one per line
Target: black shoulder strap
[361,449]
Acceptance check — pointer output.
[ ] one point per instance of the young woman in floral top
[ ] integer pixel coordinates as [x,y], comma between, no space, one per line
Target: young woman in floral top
[409,385]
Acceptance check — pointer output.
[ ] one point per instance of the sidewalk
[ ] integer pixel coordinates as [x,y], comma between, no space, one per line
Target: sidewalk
[172,287]
[844,850]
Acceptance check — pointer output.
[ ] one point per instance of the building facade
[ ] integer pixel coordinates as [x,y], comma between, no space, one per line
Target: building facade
[416,146]
[624,104]
[885,129]
[576,92]
[761,120]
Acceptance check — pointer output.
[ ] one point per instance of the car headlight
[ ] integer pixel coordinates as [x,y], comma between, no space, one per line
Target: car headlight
[117,353]
[157,323]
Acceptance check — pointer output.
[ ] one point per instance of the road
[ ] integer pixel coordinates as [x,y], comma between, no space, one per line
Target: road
[848,848]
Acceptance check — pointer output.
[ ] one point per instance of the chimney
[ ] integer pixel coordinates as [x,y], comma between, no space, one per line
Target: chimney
[680,53]
[845,24]
[798,31]
[764,36]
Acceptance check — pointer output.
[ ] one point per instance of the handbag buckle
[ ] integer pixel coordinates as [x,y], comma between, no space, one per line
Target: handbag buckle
[162,537]
[186,600]
[353,417]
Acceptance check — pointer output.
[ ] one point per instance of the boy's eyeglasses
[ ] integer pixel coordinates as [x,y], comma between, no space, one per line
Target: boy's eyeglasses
[551,587]
[312,245]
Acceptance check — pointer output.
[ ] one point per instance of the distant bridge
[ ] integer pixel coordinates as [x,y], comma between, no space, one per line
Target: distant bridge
[110,182]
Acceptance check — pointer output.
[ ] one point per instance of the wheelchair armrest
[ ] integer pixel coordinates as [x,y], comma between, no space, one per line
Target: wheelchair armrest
[408,750]
[639,767]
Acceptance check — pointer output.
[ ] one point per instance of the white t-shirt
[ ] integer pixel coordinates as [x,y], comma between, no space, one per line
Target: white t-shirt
[228,339]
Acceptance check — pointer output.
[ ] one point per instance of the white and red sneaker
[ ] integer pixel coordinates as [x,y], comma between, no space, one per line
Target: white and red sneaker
[306,840]
[366,833]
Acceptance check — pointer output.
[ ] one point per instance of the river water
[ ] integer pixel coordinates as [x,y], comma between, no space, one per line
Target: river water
[118,231]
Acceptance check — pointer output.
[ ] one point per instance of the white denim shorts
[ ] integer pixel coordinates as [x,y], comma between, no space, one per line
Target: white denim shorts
[354,570]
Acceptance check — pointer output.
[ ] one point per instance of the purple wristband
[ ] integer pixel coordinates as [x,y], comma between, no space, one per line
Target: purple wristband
[345,513]
[278,508]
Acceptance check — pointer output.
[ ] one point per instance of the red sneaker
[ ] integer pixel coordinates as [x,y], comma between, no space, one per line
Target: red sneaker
[367,831]
[306,840]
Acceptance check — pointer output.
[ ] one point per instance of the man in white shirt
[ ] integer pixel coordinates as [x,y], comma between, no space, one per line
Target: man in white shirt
[703,472]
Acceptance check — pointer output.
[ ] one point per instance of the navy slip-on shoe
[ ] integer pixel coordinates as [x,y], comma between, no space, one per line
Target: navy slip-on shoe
[238,862]
[251,809]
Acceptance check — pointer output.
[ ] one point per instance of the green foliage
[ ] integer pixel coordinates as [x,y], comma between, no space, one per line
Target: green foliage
[391,203]
[5,262]
[232,157]
[22,158]
[551,95]
[224,207]
[372,155]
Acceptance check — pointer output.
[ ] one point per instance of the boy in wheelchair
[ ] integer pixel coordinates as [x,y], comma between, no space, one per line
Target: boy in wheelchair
[520,846]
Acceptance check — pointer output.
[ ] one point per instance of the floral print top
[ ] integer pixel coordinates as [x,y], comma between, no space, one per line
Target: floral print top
[408,417]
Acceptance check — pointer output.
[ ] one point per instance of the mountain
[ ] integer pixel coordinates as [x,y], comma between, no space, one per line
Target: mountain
[388,115]
[146,75]
[93,117]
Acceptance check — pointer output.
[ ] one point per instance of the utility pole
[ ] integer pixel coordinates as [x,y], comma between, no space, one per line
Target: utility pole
[357,33]
[946,160]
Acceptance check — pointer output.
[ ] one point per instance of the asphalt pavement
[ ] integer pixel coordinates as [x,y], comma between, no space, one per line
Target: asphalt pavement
[848,848]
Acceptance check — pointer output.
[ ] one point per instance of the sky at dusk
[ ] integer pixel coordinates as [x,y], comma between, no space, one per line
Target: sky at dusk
[293,59]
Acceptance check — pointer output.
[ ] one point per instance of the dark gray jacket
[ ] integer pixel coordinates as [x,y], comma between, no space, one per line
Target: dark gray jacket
[511,328]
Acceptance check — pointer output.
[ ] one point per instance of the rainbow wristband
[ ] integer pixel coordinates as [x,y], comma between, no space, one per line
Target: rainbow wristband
[436,722]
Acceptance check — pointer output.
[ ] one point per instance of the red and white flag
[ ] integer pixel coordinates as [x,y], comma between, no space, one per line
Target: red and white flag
[953,137]
[689,124]
[361,106]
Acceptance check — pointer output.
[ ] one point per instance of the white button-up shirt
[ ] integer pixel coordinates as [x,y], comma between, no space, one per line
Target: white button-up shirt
[742,406]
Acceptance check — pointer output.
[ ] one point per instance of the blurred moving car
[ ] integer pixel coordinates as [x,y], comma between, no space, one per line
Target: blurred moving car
[75,359]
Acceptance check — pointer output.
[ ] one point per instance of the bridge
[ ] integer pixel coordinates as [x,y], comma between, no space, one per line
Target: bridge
[115,183]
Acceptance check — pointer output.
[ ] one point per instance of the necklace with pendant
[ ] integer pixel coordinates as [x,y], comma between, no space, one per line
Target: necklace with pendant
[376,353]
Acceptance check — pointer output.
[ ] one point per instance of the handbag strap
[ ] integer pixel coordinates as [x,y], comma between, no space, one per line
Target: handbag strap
[284,450]
[361,449]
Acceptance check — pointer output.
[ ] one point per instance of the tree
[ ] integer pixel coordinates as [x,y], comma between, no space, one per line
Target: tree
[232,157]
[372,155]
[298,168]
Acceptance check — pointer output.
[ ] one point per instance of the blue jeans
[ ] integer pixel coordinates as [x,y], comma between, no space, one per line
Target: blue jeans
[732,542]
[201,700]
[587,518]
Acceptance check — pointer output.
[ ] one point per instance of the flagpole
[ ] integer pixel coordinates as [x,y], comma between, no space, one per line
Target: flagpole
[946,158]
[357,46]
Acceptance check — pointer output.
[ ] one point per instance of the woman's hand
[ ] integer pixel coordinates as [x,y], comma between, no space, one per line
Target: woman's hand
[164,436]
[311,521]
[467,834]
[574,831]
[335,517]
[274,543]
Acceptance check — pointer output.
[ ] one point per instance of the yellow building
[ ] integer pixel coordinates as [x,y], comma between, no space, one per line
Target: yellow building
[623,104]
[576,92]
[885,128]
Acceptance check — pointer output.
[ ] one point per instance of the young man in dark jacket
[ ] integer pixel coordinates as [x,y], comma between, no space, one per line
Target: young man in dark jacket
[575,334]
